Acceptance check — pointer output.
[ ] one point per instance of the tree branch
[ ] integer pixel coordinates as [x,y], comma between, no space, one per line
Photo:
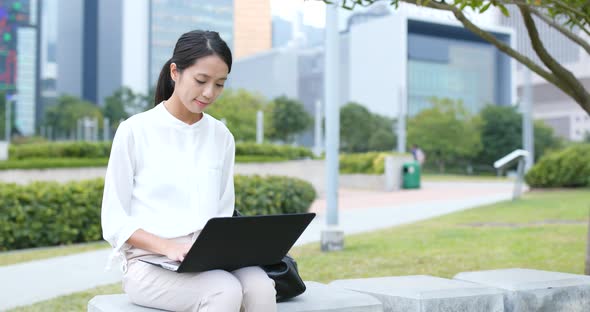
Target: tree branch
[572,84]
[572,14]
[556,75]
[566,7]
[580,25]
[491,39]
[566,32]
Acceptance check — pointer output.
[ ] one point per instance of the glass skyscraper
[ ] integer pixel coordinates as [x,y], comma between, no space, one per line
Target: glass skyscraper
[19,58]
[449,62]
[458,70]
[169,19]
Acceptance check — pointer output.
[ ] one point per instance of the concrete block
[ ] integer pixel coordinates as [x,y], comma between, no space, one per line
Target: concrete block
[422,293]
[317,298]
[320,297]
[534,290]
[115,303]
[332,239]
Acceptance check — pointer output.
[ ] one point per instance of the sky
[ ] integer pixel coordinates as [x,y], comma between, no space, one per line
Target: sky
[314,12]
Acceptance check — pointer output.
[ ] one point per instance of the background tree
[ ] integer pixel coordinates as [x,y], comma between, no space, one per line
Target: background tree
[122,104]
[288,118]
[64,115]
[150,97]
[3,117]
[238,108]
[362,131]
[382,138]
[446,132]
[545,139]
[571,18]
[501,133]
[355,128]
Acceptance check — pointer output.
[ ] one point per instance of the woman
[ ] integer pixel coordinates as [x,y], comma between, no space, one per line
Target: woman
[170,171]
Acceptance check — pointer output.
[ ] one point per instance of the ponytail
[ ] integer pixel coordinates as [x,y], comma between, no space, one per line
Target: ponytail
[188,49]
[165,85]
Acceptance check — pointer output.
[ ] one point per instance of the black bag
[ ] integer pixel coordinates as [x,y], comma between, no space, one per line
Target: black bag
[288,283]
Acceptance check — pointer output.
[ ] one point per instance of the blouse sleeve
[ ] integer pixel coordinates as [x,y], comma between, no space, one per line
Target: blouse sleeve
[227,198]
[117,225]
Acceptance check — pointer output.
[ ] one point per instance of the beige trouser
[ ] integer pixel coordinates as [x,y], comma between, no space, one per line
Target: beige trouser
[246,289]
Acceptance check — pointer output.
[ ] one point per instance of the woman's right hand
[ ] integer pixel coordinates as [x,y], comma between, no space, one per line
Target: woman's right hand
[177,252]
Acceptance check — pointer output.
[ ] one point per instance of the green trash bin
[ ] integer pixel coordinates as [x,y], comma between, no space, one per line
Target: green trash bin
[411,175]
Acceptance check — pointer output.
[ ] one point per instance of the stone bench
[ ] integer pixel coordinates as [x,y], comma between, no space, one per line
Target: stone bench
[509,290]
[422,293]
[534,290]
[318,297]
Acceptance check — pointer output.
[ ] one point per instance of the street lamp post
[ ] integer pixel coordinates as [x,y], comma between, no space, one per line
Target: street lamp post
[401,122]
[332,237]
[317,149]
[528,134]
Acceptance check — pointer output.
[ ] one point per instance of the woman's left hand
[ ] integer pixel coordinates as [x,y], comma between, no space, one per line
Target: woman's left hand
[177,252]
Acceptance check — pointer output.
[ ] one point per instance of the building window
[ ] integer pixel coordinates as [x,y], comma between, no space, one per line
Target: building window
[449,68]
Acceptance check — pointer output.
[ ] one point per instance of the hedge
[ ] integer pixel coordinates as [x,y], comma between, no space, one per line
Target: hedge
[49,213]
[60,150]
[366,163]
[286,151]
[52,163]
[103,149]
[569,167]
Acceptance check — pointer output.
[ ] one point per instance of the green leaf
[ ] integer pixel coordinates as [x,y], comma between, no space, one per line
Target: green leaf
[485,7]
[504,10]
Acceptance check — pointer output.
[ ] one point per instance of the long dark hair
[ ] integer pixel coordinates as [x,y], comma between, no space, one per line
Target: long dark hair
[189,48]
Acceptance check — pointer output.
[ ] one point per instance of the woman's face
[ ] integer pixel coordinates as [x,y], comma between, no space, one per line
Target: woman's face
[199,85]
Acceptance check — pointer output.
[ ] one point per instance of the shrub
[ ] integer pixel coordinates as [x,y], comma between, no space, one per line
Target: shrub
[49,213]
[256,195]
[284,151]
[61,150]
[103,150]
[366,163]
[19,140]
[569,167]
[357,163]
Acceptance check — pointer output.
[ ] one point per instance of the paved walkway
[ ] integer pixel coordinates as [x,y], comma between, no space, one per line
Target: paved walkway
[359,211]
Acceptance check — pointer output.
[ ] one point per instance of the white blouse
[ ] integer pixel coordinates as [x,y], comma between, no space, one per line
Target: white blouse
[166,177]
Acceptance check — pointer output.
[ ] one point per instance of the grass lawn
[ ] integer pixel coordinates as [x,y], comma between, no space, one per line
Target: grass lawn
[259,159]
[544,230]
[457,177]
[73,302]
[18,256]
[49,163]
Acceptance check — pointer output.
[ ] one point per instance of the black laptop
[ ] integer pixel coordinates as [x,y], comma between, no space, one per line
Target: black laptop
[230,243]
